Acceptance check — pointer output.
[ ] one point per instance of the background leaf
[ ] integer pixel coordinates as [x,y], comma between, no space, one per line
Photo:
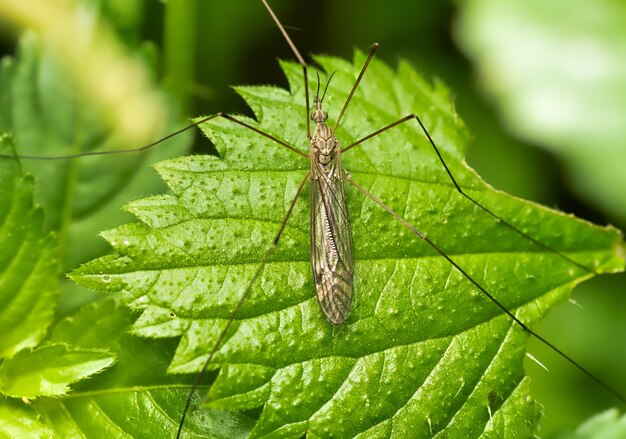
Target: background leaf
[607,425]
[134,397]
[49,370]
[27,261]
[415,320]
[48,116]
[20,420]
[557,73]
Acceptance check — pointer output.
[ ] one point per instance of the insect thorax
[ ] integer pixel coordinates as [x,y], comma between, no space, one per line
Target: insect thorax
[324,146]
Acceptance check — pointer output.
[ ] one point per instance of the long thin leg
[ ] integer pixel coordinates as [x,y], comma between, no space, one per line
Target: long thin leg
[356,84]
[153,144]
[111,152]
[460,190]
[486,293]
[300,59]
[240,303]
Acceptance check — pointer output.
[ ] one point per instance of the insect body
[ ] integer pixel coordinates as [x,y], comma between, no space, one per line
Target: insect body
[332,258]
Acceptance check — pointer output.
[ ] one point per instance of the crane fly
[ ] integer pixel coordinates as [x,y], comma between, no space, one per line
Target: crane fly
[332,258]
[331,246]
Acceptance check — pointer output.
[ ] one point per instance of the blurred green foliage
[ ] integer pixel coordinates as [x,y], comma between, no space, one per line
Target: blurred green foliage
[556,71]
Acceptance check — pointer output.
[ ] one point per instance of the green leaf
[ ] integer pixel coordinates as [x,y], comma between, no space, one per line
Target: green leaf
[134,397]
[28,263]
[606,425]
[19,420]
[423,352]
[49,370]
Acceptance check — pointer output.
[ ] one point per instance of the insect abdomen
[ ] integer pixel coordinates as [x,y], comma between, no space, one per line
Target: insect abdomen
[332,258]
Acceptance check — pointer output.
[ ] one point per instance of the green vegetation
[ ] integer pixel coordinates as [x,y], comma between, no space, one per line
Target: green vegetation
[422,352]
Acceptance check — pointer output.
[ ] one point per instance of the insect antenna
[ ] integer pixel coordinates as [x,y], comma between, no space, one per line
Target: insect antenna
[317,92]
[327,84]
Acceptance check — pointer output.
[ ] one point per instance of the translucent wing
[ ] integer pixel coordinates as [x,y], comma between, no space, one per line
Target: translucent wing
[332,258]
